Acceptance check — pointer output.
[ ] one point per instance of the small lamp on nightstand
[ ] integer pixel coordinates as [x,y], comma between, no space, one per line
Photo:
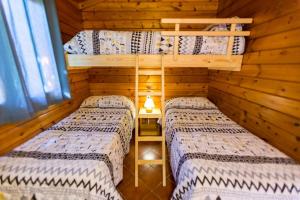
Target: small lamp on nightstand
[149,104]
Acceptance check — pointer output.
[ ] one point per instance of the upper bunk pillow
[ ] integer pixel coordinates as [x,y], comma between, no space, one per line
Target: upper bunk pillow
[218,44]
[200,103]
[110,101]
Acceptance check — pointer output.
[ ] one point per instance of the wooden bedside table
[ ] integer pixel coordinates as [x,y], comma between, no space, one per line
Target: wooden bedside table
[149,122]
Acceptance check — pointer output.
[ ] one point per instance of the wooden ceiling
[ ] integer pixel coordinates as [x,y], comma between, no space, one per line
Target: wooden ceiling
[141,14]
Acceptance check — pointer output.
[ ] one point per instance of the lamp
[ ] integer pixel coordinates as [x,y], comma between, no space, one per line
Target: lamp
[149,104]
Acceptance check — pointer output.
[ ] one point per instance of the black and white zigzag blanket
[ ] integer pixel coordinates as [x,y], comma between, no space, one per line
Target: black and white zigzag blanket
[81,157]
[213,158]
[104,42]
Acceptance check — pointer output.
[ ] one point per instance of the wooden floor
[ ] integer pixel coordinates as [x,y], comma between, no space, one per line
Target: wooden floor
[150,176]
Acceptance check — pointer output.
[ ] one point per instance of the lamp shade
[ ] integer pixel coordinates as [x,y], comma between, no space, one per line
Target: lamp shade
[149,104]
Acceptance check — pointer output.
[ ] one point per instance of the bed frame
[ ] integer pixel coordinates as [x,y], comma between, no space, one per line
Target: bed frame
[221,62]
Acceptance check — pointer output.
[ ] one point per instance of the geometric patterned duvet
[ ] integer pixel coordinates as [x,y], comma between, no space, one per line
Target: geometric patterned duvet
[104,42]
[213,158]
[81,157]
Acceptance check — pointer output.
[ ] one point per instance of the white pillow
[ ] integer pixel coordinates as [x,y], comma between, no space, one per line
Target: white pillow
[200,103]
[110,101]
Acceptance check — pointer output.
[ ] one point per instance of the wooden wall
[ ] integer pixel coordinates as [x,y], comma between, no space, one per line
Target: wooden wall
[12,135]
[121,81]
[137,14]
[264,96]
[70,19]
[76,15]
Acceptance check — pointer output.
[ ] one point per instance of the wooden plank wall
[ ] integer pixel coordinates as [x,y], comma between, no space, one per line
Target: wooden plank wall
[70,19]
[179,82]
[12,135]
[146,15]
[264,96]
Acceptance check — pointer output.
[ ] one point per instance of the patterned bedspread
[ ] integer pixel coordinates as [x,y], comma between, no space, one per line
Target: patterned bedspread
[106,42]
[213,158]
[81,157]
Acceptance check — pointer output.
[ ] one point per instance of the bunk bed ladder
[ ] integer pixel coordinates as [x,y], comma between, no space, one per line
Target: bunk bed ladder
[160,138]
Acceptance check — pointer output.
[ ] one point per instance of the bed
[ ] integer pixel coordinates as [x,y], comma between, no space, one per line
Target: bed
[213,158]
[80,157]
[219,46]
[106,42]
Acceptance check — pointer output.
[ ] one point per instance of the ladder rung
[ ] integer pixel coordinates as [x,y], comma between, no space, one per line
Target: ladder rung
[151,162]
[150,138]
[150,72]
[149,93]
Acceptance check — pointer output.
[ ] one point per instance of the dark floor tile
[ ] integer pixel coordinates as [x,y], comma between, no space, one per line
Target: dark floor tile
[127,174]
[122,195]
[129,165]
[151,175]
[151,196]
[168,169]
[130,192]
[153,146]
[127,178]
[164,193]
[150,155]
[167,154]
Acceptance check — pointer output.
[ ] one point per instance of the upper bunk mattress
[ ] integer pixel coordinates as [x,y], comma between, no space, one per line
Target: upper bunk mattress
[212,157]
[81,157]
[105,42]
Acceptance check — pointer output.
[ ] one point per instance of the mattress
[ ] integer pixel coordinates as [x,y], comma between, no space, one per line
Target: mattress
[81,157]
[212,157]
[105,42]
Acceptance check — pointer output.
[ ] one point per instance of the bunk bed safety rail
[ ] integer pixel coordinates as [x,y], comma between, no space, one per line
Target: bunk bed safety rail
[230,33]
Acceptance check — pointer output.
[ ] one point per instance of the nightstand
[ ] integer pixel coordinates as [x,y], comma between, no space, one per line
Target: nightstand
[148,122]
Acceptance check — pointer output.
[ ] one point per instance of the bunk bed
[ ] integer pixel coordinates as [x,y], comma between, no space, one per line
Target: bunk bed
[175,58]
[226,59]
[80,157]
[212,157]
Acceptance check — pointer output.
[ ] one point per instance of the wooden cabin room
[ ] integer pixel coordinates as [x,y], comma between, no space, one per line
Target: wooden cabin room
[149,99]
